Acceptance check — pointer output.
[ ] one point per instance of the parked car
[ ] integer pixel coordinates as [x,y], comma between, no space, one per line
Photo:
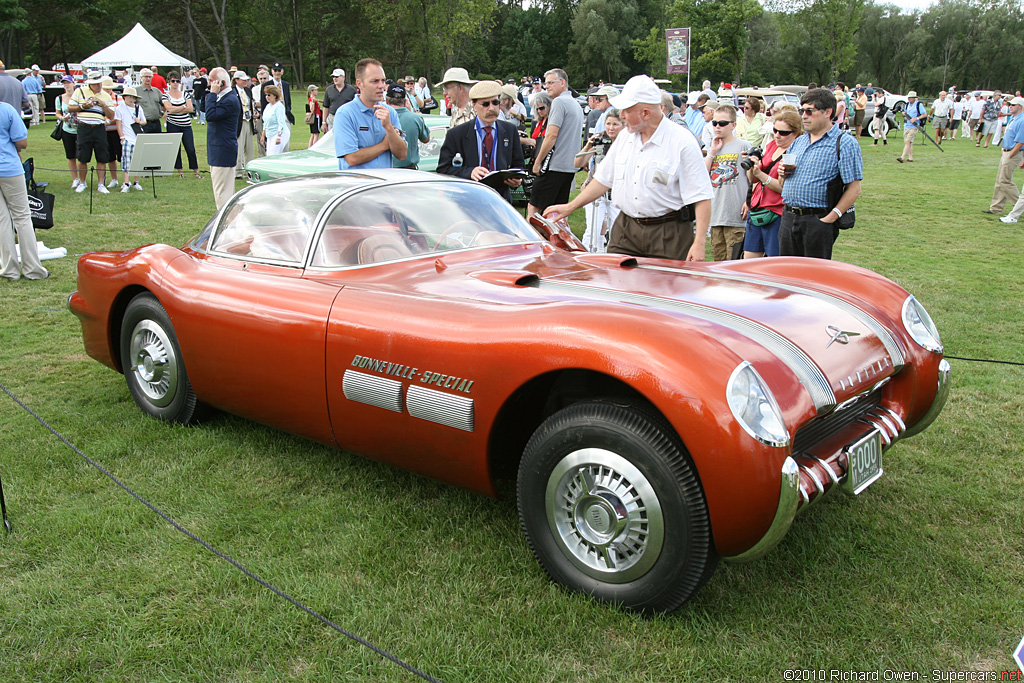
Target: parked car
[320,158]
[769,95]
[897,105]
[656,415]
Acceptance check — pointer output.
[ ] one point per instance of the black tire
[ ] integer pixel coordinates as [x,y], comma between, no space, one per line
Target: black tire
[152,363]
[612,507]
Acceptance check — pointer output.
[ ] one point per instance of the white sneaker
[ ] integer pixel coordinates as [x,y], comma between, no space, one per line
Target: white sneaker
[1007,219]
[75,183]
[113,183]
[126,188]
[81,187]
[136,186]
[102,189]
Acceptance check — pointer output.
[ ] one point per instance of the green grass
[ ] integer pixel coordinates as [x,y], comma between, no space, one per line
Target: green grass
[921,572]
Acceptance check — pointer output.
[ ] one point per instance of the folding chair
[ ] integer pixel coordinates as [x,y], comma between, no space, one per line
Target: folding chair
[30,171]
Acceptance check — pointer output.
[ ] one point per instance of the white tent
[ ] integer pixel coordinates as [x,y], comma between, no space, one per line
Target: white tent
[137,48]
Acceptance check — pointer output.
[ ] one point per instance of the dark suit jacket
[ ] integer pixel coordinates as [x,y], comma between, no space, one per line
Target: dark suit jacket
[286,97]
[462,140]
[222,118]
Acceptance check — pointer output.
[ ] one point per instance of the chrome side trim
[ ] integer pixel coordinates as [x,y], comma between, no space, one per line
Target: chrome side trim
[860,314]
[372,390]
[806,370]
[790,494]
[440,407]
[941,394]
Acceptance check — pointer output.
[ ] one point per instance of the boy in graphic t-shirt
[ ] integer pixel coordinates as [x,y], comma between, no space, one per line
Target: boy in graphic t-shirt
[729,183]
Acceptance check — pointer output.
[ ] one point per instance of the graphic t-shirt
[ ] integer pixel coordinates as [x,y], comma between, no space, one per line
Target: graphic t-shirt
[729,183]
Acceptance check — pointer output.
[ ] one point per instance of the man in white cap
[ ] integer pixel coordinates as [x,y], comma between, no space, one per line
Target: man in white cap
[485,144]
[33,84]
[336,94]
[665,196]
[603,104]
[915,115]
[246,124]
[93,106]
[1012,143]
[367,132]
[455,85]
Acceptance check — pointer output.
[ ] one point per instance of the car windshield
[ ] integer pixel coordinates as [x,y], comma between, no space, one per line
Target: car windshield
[403,220]
[273,222]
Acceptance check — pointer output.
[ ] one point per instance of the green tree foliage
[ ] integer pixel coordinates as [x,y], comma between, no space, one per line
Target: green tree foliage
[833,25]
[600,30]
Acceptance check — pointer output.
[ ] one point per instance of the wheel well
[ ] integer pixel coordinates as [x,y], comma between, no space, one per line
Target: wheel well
[116,317]
[537,400]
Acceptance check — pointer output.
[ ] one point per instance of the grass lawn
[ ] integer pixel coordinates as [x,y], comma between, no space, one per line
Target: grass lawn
[920,573]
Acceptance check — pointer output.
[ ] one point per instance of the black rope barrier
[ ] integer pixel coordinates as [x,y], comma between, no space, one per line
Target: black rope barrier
[219,553]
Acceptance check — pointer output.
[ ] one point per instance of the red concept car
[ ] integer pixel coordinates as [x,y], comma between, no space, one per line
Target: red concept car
[660,415]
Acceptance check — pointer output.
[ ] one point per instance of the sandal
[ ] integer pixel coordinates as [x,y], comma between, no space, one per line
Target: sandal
[199,175]
[180,174]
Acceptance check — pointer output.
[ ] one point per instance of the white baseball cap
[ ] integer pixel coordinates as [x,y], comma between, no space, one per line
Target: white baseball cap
[638,89]
[337,72]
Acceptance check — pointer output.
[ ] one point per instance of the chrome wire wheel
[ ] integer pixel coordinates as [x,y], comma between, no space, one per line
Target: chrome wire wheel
[153,363]
[606,514]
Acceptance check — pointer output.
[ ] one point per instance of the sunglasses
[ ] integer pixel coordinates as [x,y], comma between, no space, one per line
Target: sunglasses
[721,123]
[488,103]
[174,80]
[541,108]
[808,111]
[782,132]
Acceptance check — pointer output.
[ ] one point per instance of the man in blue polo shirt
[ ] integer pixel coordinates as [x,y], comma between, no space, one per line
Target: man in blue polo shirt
[808,222]
[367,132]
[1013,142]
[33,84]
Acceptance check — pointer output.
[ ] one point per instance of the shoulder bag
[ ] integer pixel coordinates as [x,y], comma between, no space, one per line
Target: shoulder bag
[836,188]
[58,130]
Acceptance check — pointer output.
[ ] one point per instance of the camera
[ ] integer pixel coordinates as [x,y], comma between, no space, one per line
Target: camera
[601,142]
[747,162]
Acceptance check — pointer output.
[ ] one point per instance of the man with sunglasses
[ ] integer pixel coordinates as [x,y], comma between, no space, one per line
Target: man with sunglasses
[808,220]
[485,144]
[658,180]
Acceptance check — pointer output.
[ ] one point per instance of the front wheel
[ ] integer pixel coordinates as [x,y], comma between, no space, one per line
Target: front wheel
[611,506]
[879,128]
[152,363]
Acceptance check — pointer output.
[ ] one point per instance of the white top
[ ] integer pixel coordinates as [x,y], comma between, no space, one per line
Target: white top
[651,179]
[126,116]
[976,107]
[942,107]
[958,109]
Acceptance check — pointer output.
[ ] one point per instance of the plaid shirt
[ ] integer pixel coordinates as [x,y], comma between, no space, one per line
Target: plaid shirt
[816,164]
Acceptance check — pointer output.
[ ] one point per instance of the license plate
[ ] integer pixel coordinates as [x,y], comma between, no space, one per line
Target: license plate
[865,458]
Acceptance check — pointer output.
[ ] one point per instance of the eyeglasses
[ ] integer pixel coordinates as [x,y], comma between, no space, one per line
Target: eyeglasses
[488,103]
[782,132]
[541,108]
[721,123]
[808,111]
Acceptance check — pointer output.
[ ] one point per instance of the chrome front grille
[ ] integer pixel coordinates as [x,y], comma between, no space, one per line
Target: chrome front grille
[821,428]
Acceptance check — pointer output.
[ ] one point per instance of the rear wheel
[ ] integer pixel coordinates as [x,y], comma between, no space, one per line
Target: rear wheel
[152,363]
[878,127]
[611,506]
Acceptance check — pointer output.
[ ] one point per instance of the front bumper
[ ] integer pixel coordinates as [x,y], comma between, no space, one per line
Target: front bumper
[812,473]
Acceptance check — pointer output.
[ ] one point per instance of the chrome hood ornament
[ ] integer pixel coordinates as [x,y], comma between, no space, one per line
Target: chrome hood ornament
[838,335]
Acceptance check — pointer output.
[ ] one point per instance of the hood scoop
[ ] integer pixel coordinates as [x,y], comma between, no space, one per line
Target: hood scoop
[506,278]
[607,260]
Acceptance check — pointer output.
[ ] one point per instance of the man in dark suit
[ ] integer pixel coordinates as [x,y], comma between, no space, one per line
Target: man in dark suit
[223,111]
[475,148]
[276,77]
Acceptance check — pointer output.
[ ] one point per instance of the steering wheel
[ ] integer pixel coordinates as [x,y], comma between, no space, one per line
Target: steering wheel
[465,225]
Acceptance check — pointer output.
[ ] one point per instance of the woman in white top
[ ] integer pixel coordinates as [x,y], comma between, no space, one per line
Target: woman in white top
[179,108]
[601,214]
[276,131]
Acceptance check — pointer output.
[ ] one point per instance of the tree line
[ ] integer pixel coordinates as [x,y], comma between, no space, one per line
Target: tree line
[968,43]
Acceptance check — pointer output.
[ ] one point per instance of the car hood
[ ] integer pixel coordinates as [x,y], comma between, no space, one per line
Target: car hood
[836,345]
[294,163]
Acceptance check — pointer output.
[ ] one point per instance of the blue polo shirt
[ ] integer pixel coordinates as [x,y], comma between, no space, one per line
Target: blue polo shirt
[816,164]
[33,84]
[355,128]
[912,112]
[12,129]
[1014,131]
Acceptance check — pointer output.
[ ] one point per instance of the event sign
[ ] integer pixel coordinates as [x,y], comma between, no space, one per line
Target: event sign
[677,45]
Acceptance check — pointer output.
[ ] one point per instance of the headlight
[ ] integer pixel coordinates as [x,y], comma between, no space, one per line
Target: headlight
[754,406]
[920,326]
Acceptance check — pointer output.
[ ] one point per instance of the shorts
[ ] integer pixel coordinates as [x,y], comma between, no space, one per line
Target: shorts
[551,188]
[70,141]
[987,127]
[114,145]
[941,123]
[858,120]
[90,139]
[909,134]
[954,124]
[763,238]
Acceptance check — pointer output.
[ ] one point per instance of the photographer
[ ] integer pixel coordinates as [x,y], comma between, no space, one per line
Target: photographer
[600,213]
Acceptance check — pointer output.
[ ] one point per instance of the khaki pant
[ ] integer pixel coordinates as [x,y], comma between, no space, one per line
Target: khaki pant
[671,239]
[223,180]
[724,239]
[261,149]
[245,149]
[1005,190]
[37,103]
[16,218]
